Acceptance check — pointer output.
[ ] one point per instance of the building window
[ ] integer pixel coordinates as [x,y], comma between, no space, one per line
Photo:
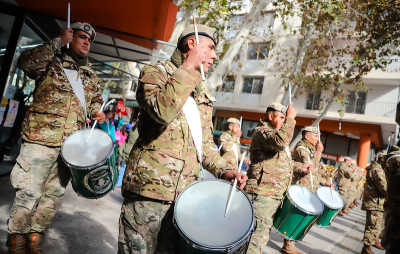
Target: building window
[134,86]
[235,23]
[248,127]
[221,123]
[228,85]
[257,51]
[313,101]
[253,85]
[356,102]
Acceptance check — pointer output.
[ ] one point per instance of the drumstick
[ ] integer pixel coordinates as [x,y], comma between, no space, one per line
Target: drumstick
[233,187]
[69,20]
[331,187]
[95,122]
[309,162]
[197,42]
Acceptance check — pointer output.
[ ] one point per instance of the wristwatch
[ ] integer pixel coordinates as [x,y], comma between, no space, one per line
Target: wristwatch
[58,42]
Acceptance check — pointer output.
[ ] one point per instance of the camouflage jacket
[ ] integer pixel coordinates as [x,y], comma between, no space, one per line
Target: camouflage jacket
[375,188]
[163,160]
[345,174]
[227,140]
[56,111]
[392,171]
[271,166]
[304,151]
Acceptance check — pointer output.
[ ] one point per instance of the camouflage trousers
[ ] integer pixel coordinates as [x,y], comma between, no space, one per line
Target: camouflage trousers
[40,178]
[390,234]
[145,227]
[265,209]
[372,227]
[349,198]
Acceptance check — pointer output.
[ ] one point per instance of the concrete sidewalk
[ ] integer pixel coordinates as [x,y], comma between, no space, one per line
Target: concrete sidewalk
[85,226]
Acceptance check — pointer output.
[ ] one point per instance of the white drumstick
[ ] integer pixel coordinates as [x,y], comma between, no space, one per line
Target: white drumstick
[331,187]
[197,42]
[233,187]
[95,122]
[312,185]
[69,20]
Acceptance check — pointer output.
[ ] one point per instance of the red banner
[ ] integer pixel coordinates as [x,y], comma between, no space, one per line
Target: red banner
[122,108]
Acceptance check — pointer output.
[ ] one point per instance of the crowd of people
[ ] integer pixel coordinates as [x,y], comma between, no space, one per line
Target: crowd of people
[171,142]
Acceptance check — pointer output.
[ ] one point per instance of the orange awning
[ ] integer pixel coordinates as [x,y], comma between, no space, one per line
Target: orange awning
[151,19]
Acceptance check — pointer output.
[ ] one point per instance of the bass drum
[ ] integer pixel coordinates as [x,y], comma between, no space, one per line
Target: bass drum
[332,206]
[93,176]
[300,210]
[199,219]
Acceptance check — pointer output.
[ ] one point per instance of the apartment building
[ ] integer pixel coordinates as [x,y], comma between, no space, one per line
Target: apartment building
[368,123]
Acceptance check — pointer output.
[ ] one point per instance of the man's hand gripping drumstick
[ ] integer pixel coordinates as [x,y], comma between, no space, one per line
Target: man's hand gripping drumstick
[99,117]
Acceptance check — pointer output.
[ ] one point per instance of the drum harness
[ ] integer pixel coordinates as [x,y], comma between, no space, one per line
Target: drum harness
[192,115]
[77,86]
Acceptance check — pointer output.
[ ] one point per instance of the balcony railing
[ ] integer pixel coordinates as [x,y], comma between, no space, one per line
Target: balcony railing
[385,109]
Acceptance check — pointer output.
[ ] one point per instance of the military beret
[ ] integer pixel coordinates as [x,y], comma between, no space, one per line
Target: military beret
[382,153]
[277,107]
[86,27]
[353,163]
[347,158]
[204,30]
[233,120]
[311,129]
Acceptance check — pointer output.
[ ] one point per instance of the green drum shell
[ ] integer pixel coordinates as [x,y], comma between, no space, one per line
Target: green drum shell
[327,216]
[292,222]
[86,182]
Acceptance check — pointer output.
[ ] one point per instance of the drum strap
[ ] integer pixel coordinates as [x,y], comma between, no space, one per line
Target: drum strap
[311,155]
[235,151]
[391,157]
[192,115]
[77,86]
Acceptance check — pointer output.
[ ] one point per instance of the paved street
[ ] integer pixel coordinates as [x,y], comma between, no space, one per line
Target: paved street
[84,226]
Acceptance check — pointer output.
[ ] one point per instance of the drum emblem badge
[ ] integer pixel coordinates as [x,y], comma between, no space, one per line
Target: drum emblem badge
[99,180]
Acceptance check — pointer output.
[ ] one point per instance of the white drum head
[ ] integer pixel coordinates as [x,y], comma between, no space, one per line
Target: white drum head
[199,214]
[324,194]
[305,199]
[97,149]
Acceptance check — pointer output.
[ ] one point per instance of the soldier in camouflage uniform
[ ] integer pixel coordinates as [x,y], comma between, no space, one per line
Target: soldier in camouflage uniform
[230,143]
[271,169]
[345,175]
[373,200]
[391,233]
[307,150]
[40,176]
[354,184]
[165,159]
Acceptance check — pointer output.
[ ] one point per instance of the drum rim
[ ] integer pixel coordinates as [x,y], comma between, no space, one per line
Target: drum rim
[329,205]
[300,208]
[90,166]
[183,234]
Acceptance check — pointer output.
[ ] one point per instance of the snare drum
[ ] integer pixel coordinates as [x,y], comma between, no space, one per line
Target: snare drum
[199,218]
[299,211]
[331,206]
[91,172]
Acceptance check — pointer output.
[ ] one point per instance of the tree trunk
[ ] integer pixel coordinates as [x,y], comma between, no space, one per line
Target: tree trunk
[184,22]
[224,64]
[300,56]
[337,89]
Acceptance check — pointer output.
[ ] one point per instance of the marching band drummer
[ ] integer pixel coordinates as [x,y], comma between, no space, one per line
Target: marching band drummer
[60,105]
[230,142]
[345,176]
[175,139]
[307,150]
[271,168]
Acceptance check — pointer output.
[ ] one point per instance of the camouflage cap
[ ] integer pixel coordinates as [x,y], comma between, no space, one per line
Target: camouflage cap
[277,107]
[204,30]
[381,154]
[311,129]
[346,159]
[86,27]
[233,120]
